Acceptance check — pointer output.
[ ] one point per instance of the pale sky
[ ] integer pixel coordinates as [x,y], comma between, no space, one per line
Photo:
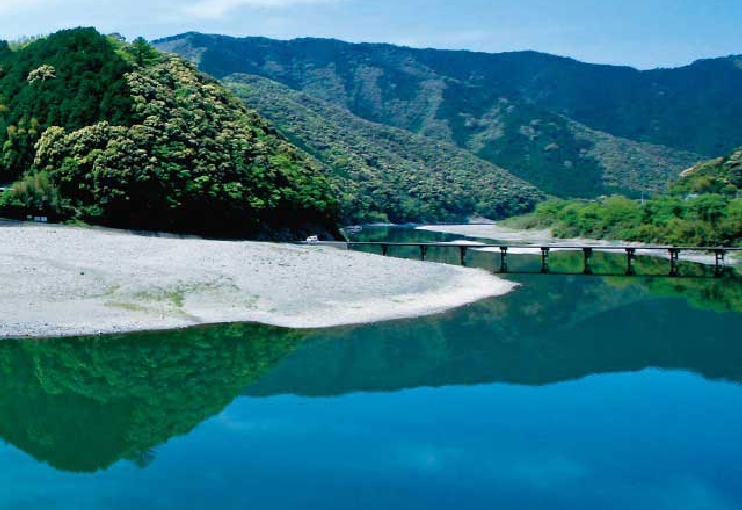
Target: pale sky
[640,33]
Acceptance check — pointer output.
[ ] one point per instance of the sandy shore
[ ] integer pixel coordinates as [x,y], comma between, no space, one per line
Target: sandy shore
[495,232]
[59,281]
[544,237]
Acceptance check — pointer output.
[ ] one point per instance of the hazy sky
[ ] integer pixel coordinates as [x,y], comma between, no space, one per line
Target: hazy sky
[641,33]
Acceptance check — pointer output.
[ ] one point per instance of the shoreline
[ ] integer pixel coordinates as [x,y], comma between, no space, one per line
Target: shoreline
[69,281]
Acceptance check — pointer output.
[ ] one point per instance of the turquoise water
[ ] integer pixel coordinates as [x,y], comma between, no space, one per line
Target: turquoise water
[569,393]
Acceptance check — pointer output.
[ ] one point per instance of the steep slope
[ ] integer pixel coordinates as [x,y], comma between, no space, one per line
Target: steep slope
[568,159]
[489,104]
[148,142]
[695,108]
[721,175]
[386,173]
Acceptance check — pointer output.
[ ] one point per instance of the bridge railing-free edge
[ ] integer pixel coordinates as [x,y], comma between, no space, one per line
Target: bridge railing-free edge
[631,251]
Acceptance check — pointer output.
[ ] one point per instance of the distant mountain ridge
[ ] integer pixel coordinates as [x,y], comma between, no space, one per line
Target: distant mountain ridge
[571,128]
[384,173]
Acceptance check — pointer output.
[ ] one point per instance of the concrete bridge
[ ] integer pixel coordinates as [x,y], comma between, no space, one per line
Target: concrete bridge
[545,251]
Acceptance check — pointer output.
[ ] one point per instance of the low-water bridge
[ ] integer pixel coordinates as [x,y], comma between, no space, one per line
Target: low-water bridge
[673,253]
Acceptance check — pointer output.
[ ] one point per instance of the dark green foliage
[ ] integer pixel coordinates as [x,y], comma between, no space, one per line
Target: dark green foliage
[383,173]
[704,209]
[72,78]
[567,159]
[194,160]
[534,336]
[660,106]
[708,220]
[573,129]
[142,53]
[34,194]
[722,175]
[83,404]
[164,148]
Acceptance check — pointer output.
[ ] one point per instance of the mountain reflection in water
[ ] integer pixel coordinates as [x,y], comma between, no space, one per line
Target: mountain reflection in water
[82,404]
[550,329]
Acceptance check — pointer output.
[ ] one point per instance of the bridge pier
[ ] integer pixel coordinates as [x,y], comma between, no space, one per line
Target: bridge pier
[463,255]
[588,261]
[720,263]
[630,259]
[674,261]
[720,268]
[545,260]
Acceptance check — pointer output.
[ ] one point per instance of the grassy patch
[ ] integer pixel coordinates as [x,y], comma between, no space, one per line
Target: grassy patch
[126,306]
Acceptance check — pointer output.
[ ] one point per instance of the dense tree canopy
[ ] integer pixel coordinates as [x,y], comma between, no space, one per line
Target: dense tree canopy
[722,175]
[72,78]
[703,208]
[385,173]
[161,147]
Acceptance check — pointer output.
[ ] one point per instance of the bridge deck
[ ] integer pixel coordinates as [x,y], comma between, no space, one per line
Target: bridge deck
[720,252]
[539,246]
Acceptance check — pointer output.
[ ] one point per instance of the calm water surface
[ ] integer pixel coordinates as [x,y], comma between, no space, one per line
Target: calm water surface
[569,393]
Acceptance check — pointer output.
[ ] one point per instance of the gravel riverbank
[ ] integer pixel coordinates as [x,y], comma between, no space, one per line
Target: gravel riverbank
[59,281]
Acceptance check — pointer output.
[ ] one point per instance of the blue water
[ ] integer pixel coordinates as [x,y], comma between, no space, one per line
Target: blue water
[651,439]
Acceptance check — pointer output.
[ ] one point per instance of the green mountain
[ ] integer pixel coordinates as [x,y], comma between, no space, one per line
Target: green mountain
[119,134]
[573,129]
[385,173]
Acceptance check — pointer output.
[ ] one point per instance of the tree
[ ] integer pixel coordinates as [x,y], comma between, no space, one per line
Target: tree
[143,52]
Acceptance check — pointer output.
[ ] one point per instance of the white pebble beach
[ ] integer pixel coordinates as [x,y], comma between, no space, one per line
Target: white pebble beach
[63,281]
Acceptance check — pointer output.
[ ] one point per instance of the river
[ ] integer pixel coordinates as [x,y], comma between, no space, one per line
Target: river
[572,392]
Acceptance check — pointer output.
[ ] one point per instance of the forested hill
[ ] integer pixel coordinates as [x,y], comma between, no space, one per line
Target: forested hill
[558,123]
[385,173]
[98,130]
[722,176]
[702,208]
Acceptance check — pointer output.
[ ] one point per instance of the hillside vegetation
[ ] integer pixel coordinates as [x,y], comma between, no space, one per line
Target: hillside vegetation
[572,129]
[72,79]
[109,133]
[722,175]
[385,173]
[703,208]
